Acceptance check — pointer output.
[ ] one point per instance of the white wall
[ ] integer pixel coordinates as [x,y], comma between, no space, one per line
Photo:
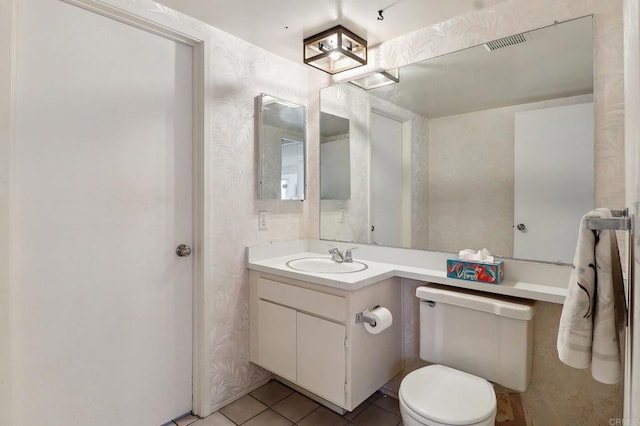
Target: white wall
[239,72]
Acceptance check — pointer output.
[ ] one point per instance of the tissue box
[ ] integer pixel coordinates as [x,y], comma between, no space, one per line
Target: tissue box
[471,270]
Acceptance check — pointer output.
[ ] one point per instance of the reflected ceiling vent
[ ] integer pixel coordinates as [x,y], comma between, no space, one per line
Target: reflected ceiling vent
[505,42]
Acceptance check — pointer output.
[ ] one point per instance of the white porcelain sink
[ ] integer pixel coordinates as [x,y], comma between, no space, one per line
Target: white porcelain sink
[324,265]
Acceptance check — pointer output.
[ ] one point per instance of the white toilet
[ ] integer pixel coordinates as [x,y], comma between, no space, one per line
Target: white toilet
[470,338]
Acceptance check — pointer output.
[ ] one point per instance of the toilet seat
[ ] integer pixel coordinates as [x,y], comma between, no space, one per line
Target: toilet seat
[439,395]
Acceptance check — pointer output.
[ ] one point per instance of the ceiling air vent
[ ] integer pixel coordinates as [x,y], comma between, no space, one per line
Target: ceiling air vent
[505,42]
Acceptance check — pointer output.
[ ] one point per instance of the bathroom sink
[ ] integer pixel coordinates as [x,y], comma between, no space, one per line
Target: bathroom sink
[324,265]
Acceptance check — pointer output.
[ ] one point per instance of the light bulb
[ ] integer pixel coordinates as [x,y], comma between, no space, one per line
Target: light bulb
[335,56]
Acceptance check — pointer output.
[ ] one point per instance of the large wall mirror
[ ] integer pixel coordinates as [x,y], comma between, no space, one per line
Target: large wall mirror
[280,140]
[491,146]
[335,168]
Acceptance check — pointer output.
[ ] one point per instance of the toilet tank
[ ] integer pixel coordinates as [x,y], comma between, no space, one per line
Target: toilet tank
[489,336]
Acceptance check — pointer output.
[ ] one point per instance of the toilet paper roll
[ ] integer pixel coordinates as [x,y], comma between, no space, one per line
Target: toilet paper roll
[383,319]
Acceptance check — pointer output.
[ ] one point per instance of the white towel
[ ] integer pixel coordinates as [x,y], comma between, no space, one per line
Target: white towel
[594,311]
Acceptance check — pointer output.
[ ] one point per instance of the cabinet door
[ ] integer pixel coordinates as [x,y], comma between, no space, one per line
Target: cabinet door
[277,339]
[321,357]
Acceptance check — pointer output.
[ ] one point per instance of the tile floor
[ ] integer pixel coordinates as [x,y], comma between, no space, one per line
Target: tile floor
[274,404]
[277,405]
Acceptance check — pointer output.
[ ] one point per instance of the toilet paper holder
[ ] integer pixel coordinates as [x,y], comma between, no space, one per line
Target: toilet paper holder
[362,317]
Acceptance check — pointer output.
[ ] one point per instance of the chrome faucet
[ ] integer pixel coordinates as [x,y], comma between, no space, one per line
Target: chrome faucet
[348,257]
[340,257]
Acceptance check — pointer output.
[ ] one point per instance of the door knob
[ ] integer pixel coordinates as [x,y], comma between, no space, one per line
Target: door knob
[183,250]
[521,227]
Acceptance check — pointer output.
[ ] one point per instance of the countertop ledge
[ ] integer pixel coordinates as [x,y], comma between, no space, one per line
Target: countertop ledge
[378,271]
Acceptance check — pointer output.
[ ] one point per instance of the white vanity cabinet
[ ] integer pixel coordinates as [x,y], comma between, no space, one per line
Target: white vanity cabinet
[276,338]
[306,334]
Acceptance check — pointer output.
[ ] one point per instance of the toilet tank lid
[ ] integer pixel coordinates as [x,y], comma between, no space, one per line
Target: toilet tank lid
[521,309]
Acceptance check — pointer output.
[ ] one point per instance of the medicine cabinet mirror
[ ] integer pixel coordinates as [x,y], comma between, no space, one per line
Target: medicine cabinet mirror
[491,146]
[281,147]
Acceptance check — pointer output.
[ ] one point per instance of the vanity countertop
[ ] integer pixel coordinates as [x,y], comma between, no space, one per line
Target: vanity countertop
[378,271]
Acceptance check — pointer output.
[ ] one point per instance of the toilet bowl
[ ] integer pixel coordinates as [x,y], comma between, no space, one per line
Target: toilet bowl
[474,335]
[441,396]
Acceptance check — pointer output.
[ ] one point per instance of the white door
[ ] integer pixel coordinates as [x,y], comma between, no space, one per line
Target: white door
[386,181]
[103,197]
[548,201]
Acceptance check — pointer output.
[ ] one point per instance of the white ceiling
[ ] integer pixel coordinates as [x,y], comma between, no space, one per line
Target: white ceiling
[554,62]
[543,69]
[280,26]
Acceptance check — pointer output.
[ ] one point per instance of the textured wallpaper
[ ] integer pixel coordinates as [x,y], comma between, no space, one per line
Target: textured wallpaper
[239,72]
[419,183]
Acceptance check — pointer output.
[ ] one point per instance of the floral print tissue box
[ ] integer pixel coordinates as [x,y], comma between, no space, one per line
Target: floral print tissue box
[471,270]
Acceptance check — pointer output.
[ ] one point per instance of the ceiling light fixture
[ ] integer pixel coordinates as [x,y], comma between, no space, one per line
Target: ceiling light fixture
[335,50]
[378,79]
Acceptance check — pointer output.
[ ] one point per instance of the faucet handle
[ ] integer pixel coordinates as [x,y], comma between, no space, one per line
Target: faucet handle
[348,257]
[336,254]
